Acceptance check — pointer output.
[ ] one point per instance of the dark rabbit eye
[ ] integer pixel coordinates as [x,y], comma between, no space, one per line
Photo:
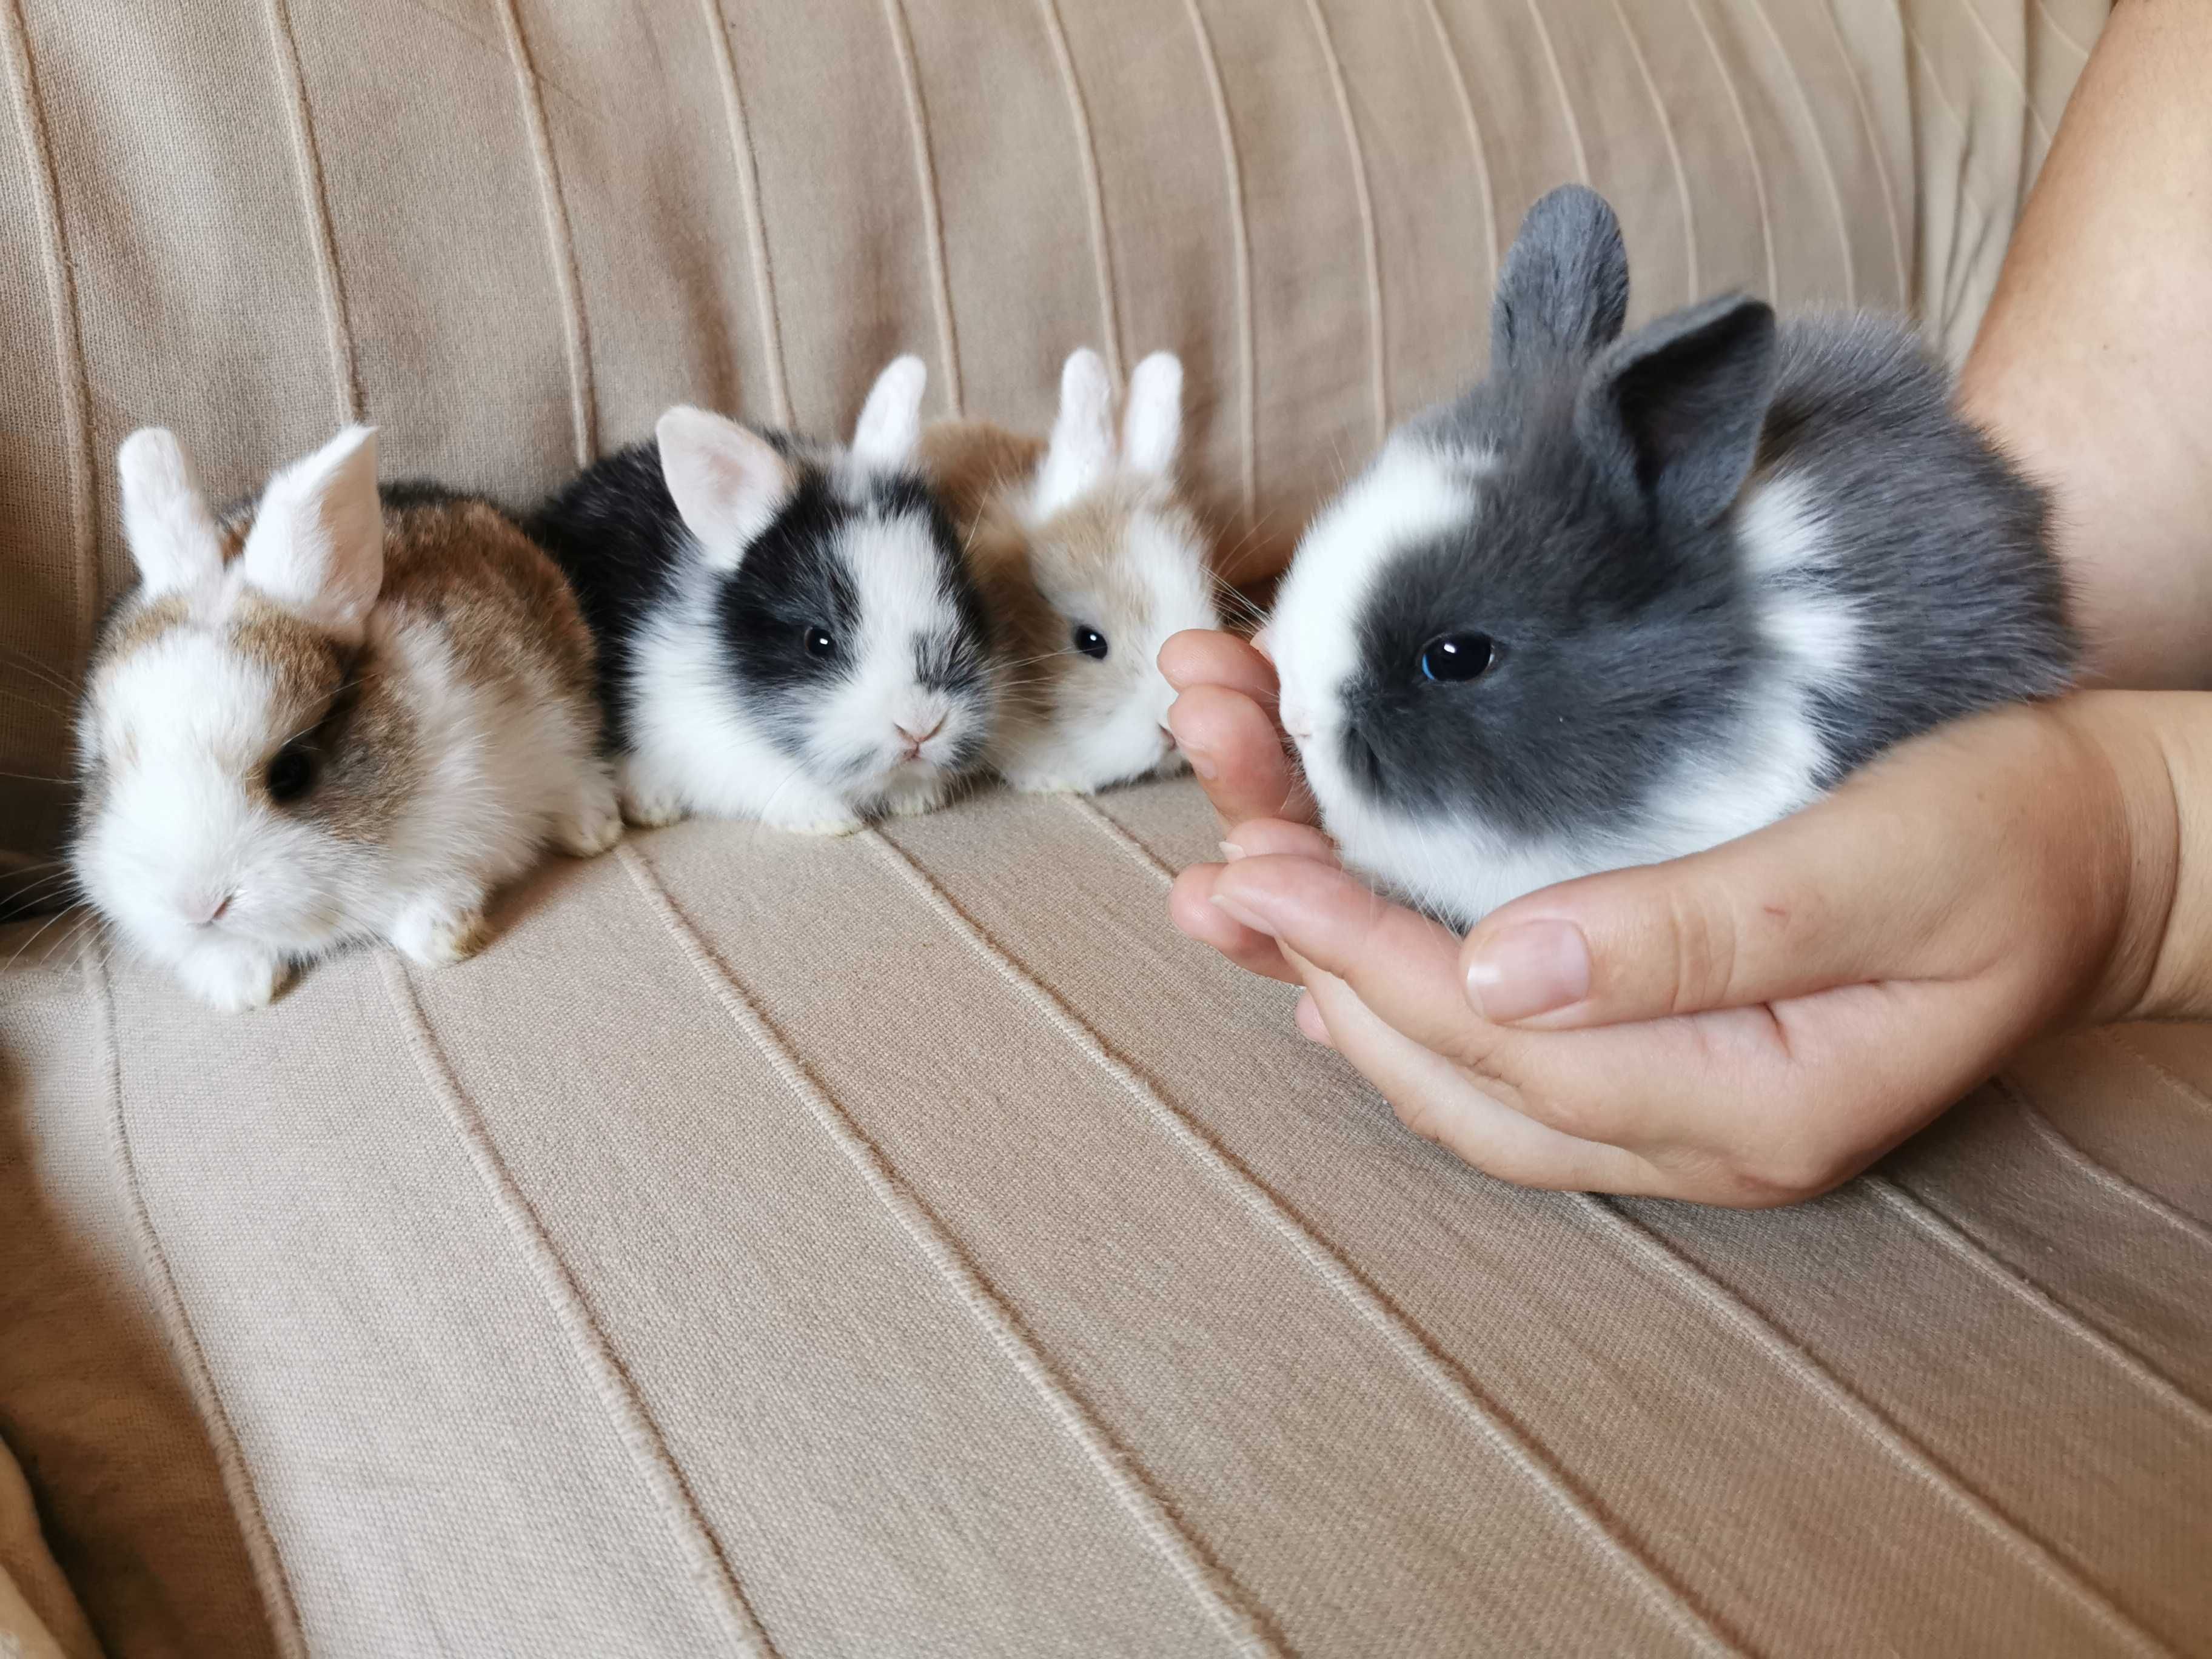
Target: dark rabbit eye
[1091,642]
[291,773]
[1457,657]
[819,644]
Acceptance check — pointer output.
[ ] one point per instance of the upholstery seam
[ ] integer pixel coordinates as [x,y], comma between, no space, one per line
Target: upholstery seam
[932,213]
[559,236]
[1400,1334]
[1093,185]
[746,158]
[1874,148]
[1208,1581]
[1241,252]
[270,1577]
[1674,150]
[2100,1174]
[1458,71]
[1820,148]
[609,1377]
[314,188]
[1364,199]
[1750,148]
[70,372]
[1559,86]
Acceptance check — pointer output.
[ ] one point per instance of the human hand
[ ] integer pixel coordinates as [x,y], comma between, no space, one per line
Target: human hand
[1754,1024]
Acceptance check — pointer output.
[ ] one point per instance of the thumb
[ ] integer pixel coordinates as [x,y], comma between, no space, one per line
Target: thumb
[1899,874]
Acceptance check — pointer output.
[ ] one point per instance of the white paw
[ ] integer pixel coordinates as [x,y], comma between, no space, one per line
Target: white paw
[652,810]
[1048,786]
[439,935]
[593,826]
[818,826]
[232,980]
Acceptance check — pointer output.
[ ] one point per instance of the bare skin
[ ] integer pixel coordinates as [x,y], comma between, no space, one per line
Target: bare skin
[1756,1023]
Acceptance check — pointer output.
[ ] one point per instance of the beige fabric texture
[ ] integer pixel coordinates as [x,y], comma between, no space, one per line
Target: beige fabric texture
[909,1245]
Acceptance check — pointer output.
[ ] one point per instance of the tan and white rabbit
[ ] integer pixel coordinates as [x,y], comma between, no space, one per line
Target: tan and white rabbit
[327,714]
[1087,561]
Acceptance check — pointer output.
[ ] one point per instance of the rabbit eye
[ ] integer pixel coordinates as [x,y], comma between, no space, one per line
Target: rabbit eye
[290,774]
[1091,642]
[820,643]
[1457,658]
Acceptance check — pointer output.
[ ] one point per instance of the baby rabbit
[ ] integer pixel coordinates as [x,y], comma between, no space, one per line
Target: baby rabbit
[1087,562]
[323,717]
[1630,598]
[785,631]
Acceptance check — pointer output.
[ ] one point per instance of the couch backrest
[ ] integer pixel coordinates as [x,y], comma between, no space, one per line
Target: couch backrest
[509,232]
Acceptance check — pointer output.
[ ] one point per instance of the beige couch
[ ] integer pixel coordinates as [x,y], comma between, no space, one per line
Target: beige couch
[909,1245]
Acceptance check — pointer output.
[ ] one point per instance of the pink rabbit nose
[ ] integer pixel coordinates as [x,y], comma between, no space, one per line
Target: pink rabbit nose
[916,739]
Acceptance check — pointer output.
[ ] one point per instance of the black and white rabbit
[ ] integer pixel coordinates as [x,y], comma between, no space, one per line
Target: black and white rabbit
[786,630]
[1631,596]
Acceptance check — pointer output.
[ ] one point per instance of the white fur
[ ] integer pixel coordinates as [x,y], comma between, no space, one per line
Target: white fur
[317,544]
[697,746]
[172,534]
[727,482]
[1080,455]
[198,869]
[1151,426]
[890,421]
[1465,869]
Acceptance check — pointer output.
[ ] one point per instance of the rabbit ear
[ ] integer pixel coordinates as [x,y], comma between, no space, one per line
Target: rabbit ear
[172,536]
[317,544]
[1151,426]
[1564,292]
[890,421]
[1081,452]
[1673,414]
[728,482]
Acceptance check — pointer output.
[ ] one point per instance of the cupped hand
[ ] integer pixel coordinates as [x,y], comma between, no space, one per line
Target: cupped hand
[1756,1023]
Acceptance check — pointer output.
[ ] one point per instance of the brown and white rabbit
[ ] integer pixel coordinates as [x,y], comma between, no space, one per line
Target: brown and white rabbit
[1087,561]
[327,714]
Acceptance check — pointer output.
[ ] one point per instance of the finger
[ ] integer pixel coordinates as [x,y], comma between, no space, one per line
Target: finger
[1438,1101]
[1190,906]
[1403,966]
[1203,656]
[1262,837]
[1237,749]
[1913,870]
[1308,1014]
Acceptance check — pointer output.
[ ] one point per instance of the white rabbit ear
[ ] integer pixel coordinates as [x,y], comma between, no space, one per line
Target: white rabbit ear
[165,522]
[890,421]
[728,482]
[1151,426]
[317,544]
[1081,452]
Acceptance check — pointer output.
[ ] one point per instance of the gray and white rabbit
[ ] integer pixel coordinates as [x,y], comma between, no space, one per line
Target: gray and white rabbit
[1629,598]
[786,630]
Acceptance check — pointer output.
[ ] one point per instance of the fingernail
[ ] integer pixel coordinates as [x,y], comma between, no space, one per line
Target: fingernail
[1527,970]
[1230,851]
[1250,918]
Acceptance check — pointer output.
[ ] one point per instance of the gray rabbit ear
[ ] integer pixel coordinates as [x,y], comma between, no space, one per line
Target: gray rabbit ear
[1563,294]
[1673,414]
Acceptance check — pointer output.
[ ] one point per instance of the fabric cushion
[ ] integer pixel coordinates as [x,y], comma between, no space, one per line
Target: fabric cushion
[909,1244]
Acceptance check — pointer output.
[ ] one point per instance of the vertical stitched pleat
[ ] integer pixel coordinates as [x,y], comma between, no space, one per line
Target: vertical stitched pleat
[1363,200]
[2123,1358]
[1110,309]
[2012,71]
[1559,86]
[932,217]
[69,334]
[314,196]
[2101,1175]
[582,403]
[2026,1550]
[276,1586]
[1876,149]
[747,161]
[2052,24]
[1750,147]
[2188,1092]
[1820,150]
[595,1355]
[1240,246]
[1473,136]
[1085,807]
[1398,1333]
[1674,150]
[1185,1556]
